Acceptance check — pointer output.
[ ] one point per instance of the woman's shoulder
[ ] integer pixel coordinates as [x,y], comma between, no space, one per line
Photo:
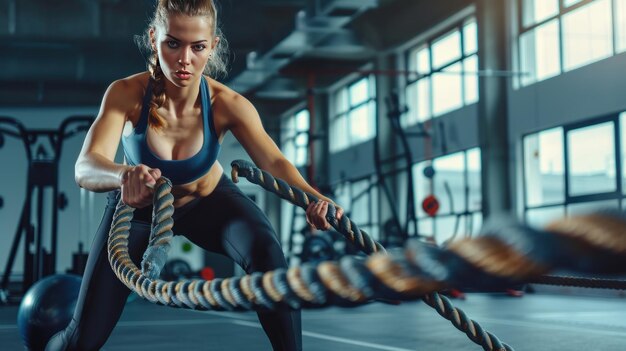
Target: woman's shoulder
[127,93]
[223,97]
[133,84]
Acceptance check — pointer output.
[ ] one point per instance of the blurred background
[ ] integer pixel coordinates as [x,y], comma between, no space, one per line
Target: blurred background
[388,106]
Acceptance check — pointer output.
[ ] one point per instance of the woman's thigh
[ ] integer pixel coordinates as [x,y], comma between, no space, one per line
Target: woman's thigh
[230,223]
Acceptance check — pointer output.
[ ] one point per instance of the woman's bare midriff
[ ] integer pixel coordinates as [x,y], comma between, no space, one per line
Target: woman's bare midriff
[201,187]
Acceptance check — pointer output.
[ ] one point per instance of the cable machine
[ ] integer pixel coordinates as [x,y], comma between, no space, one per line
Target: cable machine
[42,175]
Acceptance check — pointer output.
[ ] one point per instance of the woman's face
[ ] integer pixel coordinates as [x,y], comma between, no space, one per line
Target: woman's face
[184,45]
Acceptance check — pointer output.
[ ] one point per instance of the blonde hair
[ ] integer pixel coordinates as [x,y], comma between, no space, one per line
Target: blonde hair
[216,67]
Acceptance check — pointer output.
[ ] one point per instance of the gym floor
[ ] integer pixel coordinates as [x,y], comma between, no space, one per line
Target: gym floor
[536,321]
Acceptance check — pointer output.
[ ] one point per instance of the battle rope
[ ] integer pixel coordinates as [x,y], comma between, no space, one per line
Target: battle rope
[359,238]
[581,282]
[365,243]
[503,255]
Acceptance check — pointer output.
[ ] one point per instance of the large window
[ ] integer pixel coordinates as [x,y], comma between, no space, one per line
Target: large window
[353,120]
[294,142]
[457,186]
[359,199]
[575,168]
[561,35]
[444,73]
[295,137]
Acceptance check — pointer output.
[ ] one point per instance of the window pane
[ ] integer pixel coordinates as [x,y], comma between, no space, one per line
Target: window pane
[568,3]
[473,180]
[410,118]
[449,169]
[470,37]
[446,228]
[536,11]
[302,120]
[446,49]
[588,207]
[341,101]
[423,99]
[539,53]
[360,127]
[426,226]
[620,25]
[301,156]
[339,134]
[343,197]
[447,92]
[587,34]
[359,92]
[418,101]
[591,159]
[475,223]
[544,174]
[302,141]
[288,129]
[470,76]
[422,60]
[540,217]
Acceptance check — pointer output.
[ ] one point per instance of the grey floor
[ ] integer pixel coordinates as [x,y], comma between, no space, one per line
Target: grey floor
[532,322]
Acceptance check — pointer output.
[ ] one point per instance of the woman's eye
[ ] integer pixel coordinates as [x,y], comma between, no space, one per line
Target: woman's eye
[199,47]
[172,44]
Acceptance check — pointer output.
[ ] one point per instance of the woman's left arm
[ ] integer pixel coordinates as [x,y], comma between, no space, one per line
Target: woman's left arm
[245,124]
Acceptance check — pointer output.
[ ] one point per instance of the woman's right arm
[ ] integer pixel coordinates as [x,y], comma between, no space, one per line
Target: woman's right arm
[95,169]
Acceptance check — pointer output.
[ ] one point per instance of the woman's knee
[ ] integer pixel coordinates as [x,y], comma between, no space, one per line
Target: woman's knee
[267,253]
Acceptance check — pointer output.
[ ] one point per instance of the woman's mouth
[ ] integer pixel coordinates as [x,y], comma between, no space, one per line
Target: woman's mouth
[183,74]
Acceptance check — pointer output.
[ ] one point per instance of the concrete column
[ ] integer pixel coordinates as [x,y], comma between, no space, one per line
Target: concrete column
[493,49]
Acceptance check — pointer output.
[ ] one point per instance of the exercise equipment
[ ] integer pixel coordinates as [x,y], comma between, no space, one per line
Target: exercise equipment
[46,308]
[176,269]
[429,172]
[430,205]
[186,247]
[318,247]
[42,175]
[505,253]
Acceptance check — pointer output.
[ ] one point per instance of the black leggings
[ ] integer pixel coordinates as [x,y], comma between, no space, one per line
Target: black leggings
[226,222]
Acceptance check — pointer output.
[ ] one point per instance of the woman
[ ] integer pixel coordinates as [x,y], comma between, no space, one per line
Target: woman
[171,121]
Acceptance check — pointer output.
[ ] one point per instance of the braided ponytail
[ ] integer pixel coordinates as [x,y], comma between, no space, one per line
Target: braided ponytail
[158,94]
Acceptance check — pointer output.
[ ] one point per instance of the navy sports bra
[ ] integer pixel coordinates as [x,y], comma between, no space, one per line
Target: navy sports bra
[137,151]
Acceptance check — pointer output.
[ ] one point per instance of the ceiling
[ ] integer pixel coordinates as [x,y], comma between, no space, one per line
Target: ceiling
[67,52]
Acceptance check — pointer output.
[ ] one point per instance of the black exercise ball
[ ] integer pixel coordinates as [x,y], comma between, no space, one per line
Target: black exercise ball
[47,308]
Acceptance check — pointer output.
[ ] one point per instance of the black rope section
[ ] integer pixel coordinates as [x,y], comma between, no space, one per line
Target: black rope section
[581,282]
[505,254]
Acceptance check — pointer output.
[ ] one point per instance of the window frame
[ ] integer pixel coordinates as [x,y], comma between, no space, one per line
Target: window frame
[293,138]
[336,115]
[413,75]
[619,194]
[372,195]
[562,11]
